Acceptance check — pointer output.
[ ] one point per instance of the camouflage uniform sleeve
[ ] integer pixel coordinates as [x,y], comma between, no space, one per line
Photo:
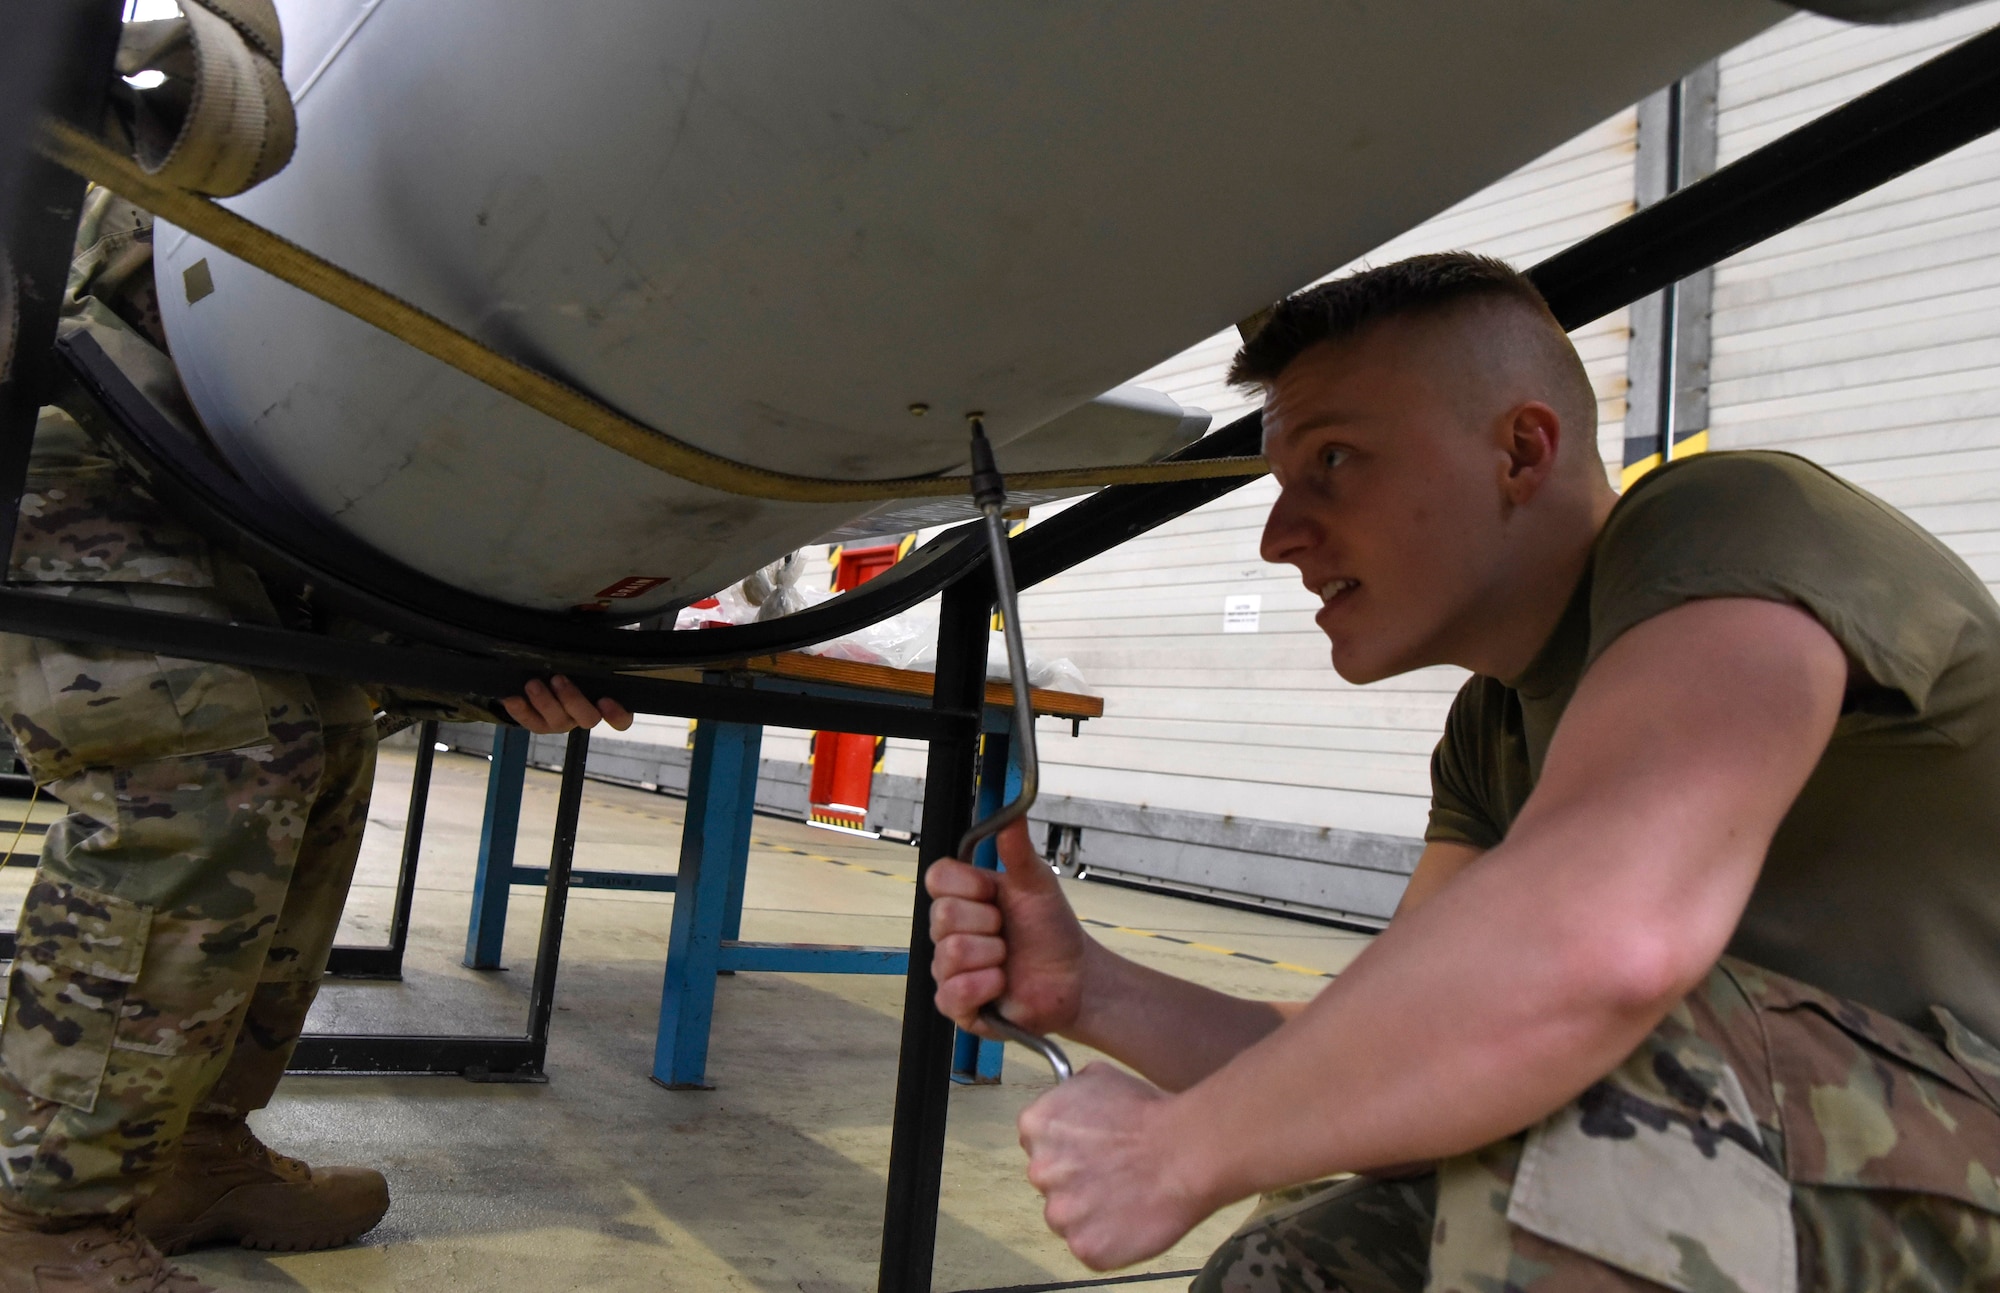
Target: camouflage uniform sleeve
[1767,1137]
[83,519]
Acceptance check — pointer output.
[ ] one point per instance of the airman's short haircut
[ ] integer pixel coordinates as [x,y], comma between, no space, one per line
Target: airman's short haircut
[1346,307]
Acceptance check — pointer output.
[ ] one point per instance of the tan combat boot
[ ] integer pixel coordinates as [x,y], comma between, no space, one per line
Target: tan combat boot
[227,1188]
[102,1255]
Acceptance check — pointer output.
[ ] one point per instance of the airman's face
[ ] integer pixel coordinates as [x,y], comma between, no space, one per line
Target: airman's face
[1390,502]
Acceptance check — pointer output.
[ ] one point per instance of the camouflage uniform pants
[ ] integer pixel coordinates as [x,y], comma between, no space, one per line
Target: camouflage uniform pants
[1767,1138]
[181,916]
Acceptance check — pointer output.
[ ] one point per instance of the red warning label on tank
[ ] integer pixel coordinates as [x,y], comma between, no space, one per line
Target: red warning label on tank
[632,586]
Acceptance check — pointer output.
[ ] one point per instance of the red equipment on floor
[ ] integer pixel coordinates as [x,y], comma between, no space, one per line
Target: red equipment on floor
[844,763]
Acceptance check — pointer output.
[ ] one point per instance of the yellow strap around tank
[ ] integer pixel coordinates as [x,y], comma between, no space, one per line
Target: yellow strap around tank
[287,260]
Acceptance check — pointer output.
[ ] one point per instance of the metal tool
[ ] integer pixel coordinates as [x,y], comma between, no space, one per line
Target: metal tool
[989,492]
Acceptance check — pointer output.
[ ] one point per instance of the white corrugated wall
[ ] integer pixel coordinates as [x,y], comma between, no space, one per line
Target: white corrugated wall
[1258,725]
[1868,339]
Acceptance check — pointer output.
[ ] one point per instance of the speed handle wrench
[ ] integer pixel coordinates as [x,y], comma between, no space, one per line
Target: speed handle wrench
[989,492]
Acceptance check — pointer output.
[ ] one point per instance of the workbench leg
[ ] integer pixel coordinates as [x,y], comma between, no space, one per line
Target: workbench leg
[739,866]
[976,1060]
[505,779]
[722,791]
[923,1075]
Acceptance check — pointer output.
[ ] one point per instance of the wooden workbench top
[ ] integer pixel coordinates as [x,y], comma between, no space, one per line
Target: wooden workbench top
[880,677]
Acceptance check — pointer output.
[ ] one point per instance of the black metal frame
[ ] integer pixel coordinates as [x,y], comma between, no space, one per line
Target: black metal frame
[923,1072]
[511,1058]
[1911,120]
[386,962]
[259,646]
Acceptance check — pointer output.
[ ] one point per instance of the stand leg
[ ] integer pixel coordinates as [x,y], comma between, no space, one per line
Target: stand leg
[497,837]
[413,842]
[739,866]
[923,1078]
[555,899]
[722,791]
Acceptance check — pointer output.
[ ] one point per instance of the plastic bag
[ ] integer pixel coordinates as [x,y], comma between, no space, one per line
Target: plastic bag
[727,607]
[776,591]
[904,641]
[909,641]
[767,594]
[899,641]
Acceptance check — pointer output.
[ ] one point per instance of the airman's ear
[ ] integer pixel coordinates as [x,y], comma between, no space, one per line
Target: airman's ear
[1531,436]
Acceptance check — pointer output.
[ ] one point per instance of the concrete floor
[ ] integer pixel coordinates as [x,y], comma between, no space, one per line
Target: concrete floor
[600,1179]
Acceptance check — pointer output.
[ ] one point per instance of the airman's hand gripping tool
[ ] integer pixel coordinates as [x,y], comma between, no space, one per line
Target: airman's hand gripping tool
[989,493]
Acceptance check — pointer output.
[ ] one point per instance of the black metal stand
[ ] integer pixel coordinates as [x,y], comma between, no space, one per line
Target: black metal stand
[387,962]
[923,1075]
[482,1059]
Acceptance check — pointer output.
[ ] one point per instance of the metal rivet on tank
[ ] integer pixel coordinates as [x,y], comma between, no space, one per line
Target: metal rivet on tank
[917,410]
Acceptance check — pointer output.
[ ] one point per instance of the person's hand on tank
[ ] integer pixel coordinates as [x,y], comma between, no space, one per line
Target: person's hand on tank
[1007,935]
[1102,1151]
[557,706]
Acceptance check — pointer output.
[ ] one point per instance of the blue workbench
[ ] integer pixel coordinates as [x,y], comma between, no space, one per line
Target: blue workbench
[705,938]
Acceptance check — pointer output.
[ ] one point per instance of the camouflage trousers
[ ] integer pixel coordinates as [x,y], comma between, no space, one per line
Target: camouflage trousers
[181,916]
[1766,1138]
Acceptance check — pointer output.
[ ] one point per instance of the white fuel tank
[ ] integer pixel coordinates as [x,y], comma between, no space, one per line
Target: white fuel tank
[771,228]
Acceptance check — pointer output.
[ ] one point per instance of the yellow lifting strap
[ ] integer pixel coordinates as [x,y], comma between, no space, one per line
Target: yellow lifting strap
[287,260]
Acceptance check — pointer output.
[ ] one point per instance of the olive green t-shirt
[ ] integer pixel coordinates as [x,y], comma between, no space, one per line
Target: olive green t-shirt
[1881,884]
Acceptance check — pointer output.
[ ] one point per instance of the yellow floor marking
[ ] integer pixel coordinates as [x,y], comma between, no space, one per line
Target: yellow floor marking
[774,846]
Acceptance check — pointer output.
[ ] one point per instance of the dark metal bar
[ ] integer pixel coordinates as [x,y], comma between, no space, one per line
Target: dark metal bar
[260,647]
[1928,111]
[387,962]
[923,1073]
[38,41]
[48,202]
[1112,516]
[362,962]
[627,881]
[413,838]
[555,900]
[480,1058]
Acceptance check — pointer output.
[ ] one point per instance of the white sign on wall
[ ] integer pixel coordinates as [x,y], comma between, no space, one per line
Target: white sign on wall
[1240,613]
